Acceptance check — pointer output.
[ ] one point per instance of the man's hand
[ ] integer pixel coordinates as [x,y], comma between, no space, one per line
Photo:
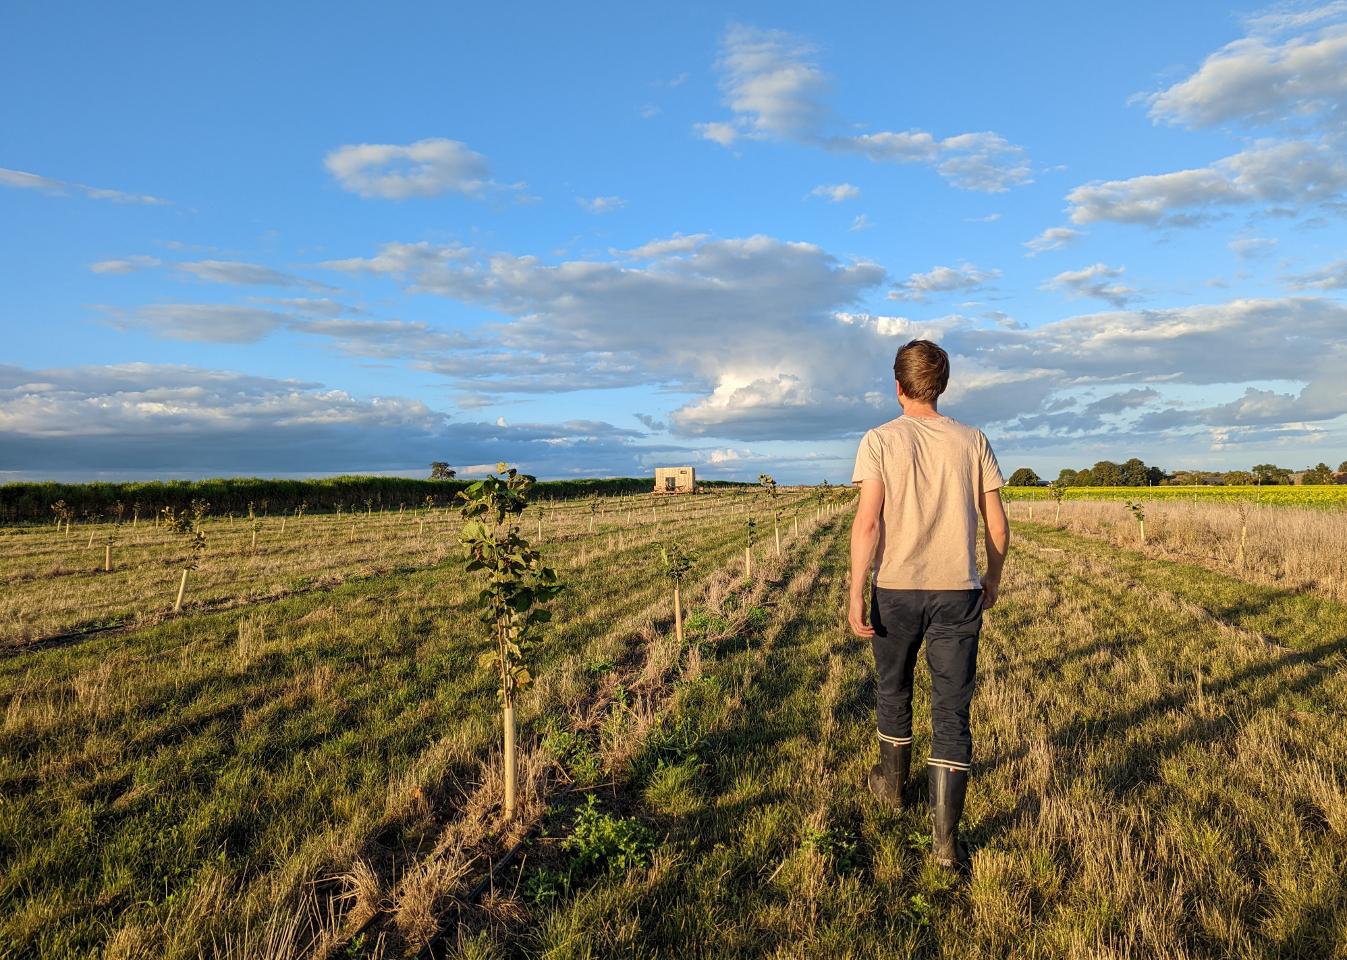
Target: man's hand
[856,617]
[991,587]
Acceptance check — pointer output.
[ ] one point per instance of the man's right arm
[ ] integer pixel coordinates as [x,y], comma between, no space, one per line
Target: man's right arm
[998,543]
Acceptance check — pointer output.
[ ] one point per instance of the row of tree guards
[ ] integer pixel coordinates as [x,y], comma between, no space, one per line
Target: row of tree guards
[518,587]
[188,523]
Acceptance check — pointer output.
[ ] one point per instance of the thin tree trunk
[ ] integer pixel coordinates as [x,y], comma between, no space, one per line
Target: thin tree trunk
[182,586]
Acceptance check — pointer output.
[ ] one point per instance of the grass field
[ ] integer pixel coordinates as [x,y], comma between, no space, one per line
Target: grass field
[302,763]
[1332,496]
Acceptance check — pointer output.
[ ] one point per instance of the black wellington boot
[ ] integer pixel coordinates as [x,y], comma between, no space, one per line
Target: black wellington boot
[948,788]
[888,777]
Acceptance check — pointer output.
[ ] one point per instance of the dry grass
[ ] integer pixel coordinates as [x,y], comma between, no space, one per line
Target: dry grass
[1288,546]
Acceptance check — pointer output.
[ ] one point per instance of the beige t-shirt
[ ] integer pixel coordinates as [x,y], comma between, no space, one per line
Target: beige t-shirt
[933,469]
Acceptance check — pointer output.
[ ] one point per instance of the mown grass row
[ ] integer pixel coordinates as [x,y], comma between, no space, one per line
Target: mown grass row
[1160,768]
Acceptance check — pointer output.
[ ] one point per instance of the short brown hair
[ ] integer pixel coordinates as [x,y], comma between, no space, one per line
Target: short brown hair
[922,370]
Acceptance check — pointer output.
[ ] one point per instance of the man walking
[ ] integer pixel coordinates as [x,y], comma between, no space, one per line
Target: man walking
[924,479]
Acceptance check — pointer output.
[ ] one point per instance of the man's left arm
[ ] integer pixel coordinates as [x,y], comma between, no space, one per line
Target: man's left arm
[864,540]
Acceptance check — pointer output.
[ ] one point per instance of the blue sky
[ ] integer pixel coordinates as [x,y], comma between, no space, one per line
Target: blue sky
[300,238]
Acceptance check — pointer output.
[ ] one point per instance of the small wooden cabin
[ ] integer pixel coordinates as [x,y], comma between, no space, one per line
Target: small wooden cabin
[675,480]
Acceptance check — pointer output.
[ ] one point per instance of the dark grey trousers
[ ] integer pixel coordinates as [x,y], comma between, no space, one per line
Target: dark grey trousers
[949,621]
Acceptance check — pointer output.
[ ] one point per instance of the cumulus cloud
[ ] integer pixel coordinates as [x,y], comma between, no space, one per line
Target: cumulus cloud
[775,90]
[1095,280]
[1266,80]
[983,161]
[329,321]
[769,340]
[20,180]
[1295,173]
[426,168]
[157,418]
[244,274]
[204,323]
[601,204]
[836,192]
[1288,77]
[964,277]
[233,272]
[1330,277]
[1053,238]
[1248,248]
[125,265]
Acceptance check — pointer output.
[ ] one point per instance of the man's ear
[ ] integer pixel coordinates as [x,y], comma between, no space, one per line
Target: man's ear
[898,389]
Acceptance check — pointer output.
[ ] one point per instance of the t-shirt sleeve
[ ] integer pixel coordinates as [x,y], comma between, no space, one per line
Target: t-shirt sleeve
[869,466]
[988,469]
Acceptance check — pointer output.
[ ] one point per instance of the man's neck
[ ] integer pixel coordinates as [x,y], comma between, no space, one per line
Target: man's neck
[921,410]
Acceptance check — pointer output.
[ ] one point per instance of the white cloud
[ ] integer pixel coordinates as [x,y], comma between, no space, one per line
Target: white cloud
[426,168]
[768,340]
[1294,173]
[860,222]
[601,204]
[205,323]
[1053,238]
[233,272]
[1261,80]
[1248,248]
[722,133]
[943,280]
[144,418]
[771,84]
[1094,281]
[971,161]
[245,274]
[20,180]
[1330,277]
[836,192]
[125,265]
[988,218]
[775,91]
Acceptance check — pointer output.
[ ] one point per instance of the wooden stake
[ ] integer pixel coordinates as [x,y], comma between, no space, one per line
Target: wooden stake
[107,558]
[678,613]
[182,585]
[91,539]
[748,561]
[510,766]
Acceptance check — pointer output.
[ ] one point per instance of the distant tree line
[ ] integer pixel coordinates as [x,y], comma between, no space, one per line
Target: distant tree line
[1105,473]
[1135,473]
[124,501]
